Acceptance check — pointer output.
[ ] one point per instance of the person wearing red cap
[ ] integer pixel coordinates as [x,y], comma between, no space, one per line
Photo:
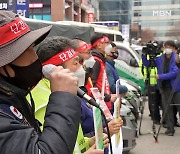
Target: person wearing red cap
[20,71]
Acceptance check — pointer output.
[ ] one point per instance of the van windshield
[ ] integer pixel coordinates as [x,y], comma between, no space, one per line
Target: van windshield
[124,55]
[119,38]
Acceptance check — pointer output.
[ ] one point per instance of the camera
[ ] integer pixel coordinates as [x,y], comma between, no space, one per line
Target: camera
[152,49]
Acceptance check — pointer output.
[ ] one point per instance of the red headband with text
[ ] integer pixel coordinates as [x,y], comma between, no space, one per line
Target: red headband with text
[101,40]
[13,30]
[84,47]
[61,57]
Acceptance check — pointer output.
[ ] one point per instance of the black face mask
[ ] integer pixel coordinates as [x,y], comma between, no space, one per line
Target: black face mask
[115,54]
[26,77]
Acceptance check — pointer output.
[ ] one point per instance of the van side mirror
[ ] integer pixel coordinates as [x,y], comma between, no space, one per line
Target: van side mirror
[133,62]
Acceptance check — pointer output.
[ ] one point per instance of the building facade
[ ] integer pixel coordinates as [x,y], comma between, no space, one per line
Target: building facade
[39,9]
[54,10]
[159,19]
[71,10]
[115,10]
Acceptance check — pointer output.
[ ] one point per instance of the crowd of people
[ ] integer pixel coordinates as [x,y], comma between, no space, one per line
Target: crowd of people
[42,113]
[40,108]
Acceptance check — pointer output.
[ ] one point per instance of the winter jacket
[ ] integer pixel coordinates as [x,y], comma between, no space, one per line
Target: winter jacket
[113,77]
[170,75]
[60,126]
[87,121]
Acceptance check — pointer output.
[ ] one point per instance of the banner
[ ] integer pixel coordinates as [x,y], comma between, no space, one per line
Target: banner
[97,95]
[98,128]
[90,17]
[119,148]
[125,32]
[22,8]
[117,139]
[3,5]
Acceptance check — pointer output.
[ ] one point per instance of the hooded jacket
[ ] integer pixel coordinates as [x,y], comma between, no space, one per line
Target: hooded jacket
[113,77]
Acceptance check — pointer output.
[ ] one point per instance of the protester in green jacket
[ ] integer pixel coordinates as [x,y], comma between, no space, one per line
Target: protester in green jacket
[62,53]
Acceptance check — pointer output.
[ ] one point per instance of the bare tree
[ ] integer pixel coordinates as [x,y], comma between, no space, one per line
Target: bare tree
[174,32]
[147,35]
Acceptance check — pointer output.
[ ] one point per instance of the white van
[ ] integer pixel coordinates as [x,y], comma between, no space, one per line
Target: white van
[137,48]
[66,29]
[113,35]
[127,64]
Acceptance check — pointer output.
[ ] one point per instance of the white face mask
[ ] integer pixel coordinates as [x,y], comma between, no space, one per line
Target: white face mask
[168,51]
[89,63]
[80,74]
[108,49]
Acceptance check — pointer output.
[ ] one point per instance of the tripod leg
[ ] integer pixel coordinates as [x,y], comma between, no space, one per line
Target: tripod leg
[152,101]
[165,111]
[142,112]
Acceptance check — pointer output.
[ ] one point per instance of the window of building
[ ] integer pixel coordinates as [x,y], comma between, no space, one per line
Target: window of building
[137,14]
[159,2]
[109,5]
[137,3]
[164,23]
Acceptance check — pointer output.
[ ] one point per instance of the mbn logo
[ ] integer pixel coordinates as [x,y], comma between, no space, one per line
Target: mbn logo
[162,13]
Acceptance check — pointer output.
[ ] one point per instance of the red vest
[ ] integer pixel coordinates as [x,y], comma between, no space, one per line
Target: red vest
[99,80]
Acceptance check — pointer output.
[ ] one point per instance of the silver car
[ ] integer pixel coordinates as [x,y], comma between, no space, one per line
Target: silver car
[129,129]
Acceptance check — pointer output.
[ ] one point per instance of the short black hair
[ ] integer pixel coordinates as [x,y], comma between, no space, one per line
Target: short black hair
[52,46]
[77,38]
[113,44]
[77,42]
[171,43]
[96,37]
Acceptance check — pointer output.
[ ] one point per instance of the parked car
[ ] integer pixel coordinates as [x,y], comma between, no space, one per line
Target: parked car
[129,129]
[133,97]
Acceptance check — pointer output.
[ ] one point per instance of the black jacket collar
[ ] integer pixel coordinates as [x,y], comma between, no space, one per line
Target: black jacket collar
[98,54]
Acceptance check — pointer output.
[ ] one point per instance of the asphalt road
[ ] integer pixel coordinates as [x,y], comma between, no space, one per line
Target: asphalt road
[146,143]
